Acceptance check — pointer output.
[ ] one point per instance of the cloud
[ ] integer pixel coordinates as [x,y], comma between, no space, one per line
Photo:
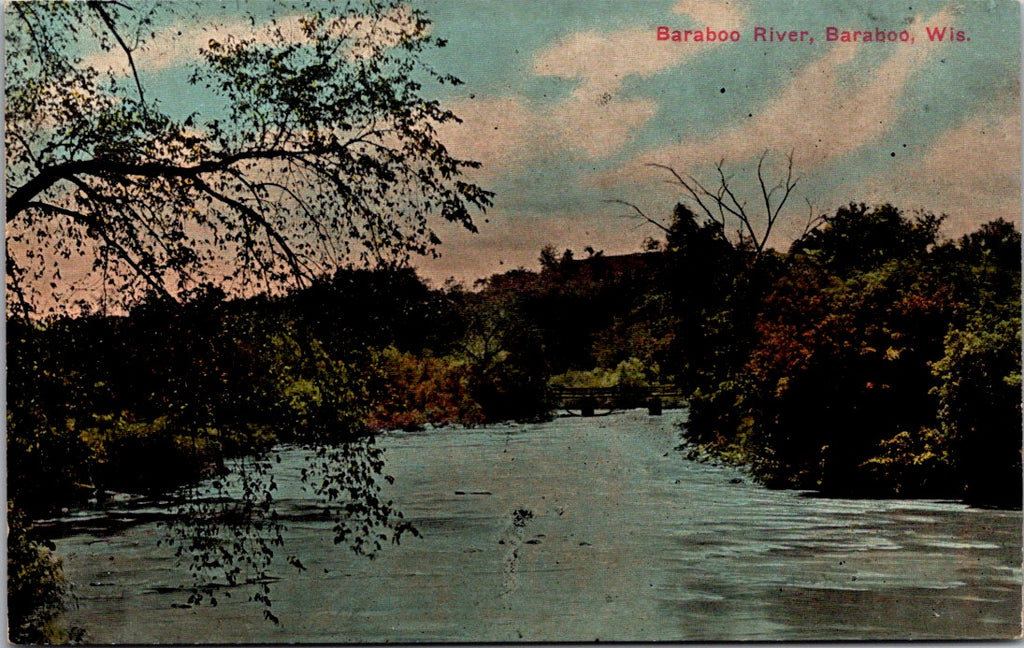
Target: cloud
[971,173]
[715,14]
[496,132]
[983,154]
[182,43]
[594,121]
[171,47]
[830,108]
[600,127]
[508,133]
[603,60]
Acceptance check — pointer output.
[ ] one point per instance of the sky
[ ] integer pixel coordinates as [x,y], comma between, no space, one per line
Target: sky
[567,103]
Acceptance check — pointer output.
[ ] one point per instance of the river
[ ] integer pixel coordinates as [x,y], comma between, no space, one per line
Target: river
[627,542]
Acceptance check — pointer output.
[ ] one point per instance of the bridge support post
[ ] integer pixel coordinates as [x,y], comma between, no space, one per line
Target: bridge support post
[587,406]
[654,406]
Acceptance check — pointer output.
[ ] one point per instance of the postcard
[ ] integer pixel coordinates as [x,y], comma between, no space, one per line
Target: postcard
[453,321]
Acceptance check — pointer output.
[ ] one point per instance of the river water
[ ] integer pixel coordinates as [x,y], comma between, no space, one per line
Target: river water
[624,541]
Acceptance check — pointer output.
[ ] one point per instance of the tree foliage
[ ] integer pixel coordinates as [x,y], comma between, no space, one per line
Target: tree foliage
[318,147]
[879,360]
[858,238]
[979,388]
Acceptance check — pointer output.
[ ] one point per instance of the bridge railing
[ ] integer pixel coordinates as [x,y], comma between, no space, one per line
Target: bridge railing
[652,390]
[587,399]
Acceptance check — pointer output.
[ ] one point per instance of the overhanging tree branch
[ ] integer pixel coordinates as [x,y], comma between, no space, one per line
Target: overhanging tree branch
[251,214]
[328,115]
[95,225]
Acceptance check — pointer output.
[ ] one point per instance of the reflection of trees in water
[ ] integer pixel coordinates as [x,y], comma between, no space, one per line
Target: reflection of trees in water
[513,537]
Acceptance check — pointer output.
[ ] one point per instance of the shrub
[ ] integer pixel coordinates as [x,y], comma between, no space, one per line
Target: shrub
[36,589]
[979,395]
[412,391]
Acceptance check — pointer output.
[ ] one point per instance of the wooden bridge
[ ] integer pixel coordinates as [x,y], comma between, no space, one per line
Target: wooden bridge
[588,400]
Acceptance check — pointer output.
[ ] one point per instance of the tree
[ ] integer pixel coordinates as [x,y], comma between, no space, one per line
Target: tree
[858,238]
[842,364]
[319,147]
[714,278]
[702,278]
[35,587]
[721,203]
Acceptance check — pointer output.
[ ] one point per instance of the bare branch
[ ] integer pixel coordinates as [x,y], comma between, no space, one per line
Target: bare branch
[641,213]
[728,203]
[691,190]
[740,211]
[812,220]
[764,191]
[787,187]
